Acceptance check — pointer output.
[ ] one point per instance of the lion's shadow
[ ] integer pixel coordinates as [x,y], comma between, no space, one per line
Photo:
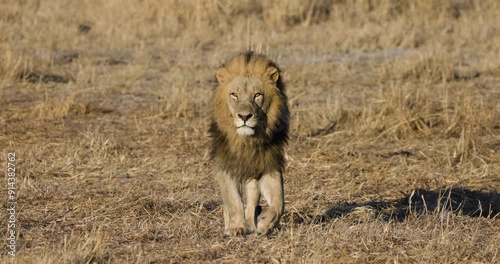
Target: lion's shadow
[420,201]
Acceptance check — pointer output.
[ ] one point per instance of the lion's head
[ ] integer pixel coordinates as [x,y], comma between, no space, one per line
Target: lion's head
[249,100]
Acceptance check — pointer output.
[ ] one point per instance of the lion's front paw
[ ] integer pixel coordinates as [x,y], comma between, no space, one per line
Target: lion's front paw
[267,222]
[264,228]
[236,231]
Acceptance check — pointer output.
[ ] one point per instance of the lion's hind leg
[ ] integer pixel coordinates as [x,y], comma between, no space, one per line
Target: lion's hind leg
[271,187]
[234,219]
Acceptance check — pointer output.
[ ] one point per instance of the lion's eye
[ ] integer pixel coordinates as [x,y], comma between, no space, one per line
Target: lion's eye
[234,95]
[257,95]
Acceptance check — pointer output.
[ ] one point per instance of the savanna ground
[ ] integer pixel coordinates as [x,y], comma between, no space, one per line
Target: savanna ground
[394,153]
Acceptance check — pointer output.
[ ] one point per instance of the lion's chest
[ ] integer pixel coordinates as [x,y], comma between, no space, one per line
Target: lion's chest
[250,161]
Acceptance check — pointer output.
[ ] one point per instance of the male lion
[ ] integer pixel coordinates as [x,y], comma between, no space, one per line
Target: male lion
[249,132]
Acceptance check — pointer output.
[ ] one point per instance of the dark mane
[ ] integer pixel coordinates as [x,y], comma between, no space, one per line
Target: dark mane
[254,159]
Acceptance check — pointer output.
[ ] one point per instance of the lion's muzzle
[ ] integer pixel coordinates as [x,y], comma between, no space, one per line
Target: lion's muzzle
[245,124]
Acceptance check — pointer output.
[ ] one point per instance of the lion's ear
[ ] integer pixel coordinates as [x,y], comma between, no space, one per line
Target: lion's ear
[221,75]
[273,73]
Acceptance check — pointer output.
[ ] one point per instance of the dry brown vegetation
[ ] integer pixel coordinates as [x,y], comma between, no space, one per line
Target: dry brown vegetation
[395,147]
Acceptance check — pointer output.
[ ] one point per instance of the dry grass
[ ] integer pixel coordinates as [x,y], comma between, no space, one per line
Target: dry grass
[395,148]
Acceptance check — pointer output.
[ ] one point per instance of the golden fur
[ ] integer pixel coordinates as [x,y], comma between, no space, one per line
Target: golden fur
[249,131]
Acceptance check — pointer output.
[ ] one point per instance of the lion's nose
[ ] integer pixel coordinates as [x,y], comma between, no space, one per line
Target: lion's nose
[245,117]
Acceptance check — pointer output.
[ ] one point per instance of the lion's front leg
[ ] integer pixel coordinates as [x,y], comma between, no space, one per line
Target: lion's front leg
[271,187]
[234,218]
[252,201]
